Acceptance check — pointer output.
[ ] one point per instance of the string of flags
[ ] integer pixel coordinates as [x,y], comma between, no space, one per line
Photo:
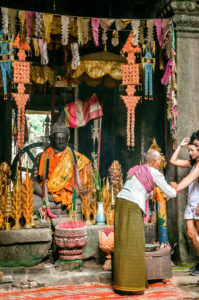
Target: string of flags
[36,28]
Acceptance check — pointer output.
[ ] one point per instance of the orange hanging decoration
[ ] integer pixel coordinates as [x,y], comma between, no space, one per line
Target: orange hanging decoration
[21,76]
[130,77]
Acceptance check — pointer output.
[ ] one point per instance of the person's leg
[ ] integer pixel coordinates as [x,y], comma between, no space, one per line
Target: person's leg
[197,225]
[193,234]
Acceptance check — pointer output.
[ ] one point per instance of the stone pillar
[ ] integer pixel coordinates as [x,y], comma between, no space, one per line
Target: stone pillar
[186,20]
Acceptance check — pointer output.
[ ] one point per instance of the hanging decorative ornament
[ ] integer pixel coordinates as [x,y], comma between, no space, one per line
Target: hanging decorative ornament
[22,18]
[6,58]
[12,15]
[135,24]
[36,46]
[130,77]
[105,24]
[40,42]
[29,23]
[165,32]
[21,76]
[169,79]
[64,29]
[115,38]
[167,73]
[95,27]
[141,32]
[169,43]
[48,18]
[39,22]
[75,56]
[158,25]
[148,64]
[80,31]
[43,52]
[150,24]
[119,24]
[86,22]
[5,19]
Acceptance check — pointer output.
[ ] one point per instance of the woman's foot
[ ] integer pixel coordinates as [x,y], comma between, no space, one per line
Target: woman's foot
[194,270]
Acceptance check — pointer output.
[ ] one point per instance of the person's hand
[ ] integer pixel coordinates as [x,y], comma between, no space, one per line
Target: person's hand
[197,210]
[165,197]
[173,184]
[185,142]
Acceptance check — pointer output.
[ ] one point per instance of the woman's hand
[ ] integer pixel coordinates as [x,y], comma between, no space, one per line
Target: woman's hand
[173,184]
[185,142]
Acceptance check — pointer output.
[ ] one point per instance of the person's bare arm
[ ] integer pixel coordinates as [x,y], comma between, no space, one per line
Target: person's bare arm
[185,182]
[184,163]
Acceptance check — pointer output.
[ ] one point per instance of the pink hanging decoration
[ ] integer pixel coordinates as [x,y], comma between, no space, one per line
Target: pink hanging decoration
[158,25]
[21,76]
[130,77]
[29,23]
[95,26]
[167,73]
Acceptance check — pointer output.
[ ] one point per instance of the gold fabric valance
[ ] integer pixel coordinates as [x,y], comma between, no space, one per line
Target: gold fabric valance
[41,75]
[98,69]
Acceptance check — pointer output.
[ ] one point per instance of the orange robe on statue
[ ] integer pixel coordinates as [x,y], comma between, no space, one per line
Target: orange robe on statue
[61,173]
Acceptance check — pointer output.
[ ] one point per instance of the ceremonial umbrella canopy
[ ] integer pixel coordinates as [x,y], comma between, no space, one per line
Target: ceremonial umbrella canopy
[99,67]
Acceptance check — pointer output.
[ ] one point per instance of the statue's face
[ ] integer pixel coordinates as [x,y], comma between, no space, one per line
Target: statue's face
[60,140]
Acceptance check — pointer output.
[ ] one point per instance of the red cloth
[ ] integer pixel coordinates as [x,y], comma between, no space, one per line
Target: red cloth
[78,113]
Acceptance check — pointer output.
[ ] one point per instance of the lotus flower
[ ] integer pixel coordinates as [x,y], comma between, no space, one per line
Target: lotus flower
[106,243]
[106,240]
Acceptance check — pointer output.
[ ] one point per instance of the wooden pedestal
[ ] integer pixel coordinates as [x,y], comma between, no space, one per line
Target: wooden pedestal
[158,264]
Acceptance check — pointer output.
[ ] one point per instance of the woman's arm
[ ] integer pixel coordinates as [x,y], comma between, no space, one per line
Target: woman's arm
[185,182]
[184,163]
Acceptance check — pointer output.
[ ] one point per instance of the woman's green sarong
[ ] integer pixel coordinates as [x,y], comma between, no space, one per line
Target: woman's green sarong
[129,267]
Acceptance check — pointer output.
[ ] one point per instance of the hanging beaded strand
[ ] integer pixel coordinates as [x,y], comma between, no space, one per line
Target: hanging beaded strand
[21,76]
[130,78]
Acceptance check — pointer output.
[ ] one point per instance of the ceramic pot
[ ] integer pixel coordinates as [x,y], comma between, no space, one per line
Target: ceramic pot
[100,218]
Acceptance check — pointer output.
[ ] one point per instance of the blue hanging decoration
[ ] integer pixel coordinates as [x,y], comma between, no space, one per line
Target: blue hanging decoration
[5,61]
[148,64]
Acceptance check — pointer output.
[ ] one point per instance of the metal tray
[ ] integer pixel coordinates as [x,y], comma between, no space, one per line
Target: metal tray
[151,247]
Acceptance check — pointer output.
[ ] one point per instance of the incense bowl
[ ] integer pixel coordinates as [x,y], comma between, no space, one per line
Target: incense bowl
[70,242]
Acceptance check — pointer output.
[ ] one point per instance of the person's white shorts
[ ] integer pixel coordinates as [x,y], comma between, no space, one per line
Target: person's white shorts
[190,211]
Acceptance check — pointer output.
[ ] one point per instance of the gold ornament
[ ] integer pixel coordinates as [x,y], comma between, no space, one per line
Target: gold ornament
[86,196]
[48,18]
[28,200]
[8,208]
[106,196]
[17,201]
[163,159]
[111,209]
[116,177]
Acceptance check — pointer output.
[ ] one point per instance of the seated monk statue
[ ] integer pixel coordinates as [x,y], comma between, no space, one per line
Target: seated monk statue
[65,169]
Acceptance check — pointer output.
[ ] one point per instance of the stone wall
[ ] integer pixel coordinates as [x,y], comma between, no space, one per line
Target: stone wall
[186,19]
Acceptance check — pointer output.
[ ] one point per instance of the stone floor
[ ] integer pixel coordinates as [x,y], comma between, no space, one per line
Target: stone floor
[47,274]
